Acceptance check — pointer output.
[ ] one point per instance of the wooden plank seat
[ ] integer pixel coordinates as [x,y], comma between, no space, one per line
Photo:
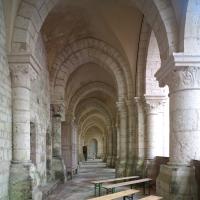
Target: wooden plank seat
[125,194]
[151,197]
[98,183]
[111,188]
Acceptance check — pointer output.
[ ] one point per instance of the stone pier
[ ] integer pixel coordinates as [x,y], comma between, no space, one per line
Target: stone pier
[121,161]
[177,179]
[58,166]
[23,177]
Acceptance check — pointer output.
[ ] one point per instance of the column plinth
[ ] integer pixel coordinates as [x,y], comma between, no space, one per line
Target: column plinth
[182,77]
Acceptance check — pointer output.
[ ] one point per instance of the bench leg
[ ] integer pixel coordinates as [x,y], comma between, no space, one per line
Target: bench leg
[131,197]
[100,184]
[144,188]
[149,188]
[107,191]
[95,188]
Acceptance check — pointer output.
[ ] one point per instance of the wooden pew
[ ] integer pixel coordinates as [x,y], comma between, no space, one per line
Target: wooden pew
[151,197]
[98,183]
[124,194]
[111,188]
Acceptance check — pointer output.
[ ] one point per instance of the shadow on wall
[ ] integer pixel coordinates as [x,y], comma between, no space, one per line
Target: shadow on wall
[197,174]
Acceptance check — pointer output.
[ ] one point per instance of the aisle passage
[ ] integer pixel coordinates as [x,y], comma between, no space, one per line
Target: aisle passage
[80,187]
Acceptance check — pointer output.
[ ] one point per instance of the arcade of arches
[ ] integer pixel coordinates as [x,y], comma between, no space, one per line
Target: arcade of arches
[118,77]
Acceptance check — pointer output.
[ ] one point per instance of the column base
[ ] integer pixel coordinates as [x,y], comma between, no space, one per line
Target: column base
[24,181]
[59,169]
[109,161]
[139,167]
[121,169]
[149,169]
[130,168]
[176,182]
[114,158]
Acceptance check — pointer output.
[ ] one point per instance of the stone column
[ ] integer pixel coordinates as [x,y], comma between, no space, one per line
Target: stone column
[153,138]
[74,146]
[49,154]
[154,132]
[114,157]
[131,137]
[182,74]
[139,138]
[23,183]
[110,145]
[121,162]
[104,148]
[58,166]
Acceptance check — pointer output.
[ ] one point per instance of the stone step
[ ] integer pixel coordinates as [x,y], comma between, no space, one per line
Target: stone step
[48,189]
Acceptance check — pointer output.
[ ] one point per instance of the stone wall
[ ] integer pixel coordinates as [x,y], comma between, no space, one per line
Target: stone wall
[40,109]
[5,112]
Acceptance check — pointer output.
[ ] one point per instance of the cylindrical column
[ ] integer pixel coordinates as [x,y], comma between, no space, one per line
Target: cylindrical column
[114,146]
[131,136]
[139,138]
[184,86]
[21,112]
[121,164]
[153,137]
[184,117]
[56,135]
[58,166]
[110,145]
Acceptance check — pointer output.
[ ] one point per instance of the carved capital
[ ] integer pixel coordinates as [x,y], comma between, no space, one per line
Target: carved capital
[180,72]
[20,74]
[184,78]
[121,105]
[58,110]
[154,104]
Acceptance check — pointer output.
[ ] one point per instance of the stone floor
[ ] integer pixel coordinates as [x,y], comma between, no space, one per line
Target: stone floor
[80,187]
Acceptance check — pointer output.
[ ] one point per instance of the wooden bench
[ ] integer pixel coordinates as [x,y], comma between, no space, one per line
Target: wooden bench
[111,188]
[151,197]
[124,194]
[98,183]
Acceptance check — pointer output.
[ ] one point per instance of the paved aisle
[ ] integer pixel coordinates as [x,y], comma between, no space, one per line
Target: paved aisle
[80,187]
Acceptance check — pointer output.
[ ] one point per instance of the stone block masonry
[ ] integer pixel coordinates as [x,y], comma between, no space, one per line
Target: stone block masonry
[5,112]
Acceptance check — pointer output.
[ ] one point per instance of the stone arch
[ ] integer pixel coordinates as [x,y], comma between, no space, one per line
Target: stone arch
[87,89]
[94,105]
[153,64]
[91,50]
[92,124]
[95,114]
[32,14]
[82,128]
[141,60]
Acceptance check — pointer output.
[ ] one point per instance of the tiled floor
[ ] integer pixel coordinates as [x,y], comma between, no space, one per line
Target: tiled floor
[80,187]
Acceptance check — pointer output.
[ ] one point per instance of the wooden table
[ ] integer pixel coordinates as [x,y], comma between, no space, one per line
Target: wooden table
[98,183]
[151,197]
[124,194]
[111,188]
